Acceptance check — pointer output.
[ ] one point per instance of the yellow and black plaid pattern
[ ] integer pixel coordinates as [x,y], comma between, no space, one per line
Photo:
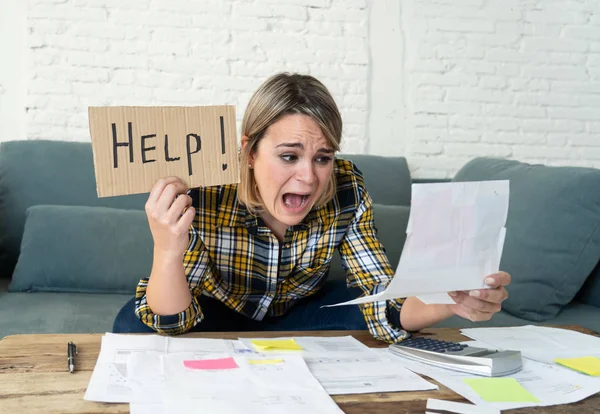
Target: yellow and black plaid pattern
[233,257]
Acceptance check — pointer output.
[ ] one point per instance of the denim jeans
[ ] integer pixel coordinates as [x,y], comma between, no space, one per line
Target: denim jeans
[305,315]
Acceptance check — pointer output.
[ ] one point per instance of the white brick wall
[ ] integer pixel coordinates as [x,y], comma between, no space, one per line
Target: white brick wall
[12,82]
[188,52]
[439,81]
[513,78]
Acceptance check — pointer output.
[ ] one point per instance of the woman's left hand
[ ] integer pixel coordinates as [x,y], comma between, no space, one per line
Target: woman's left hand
[482,304]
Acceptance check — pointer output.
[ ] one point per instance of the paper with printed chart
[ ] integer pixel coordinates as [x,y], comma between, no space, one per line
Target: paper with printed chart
[454,239]
[363,372]
[110,381]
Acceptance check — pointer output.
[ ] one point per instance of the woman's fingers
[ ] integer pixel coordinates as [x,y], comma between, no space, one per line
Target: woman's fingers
[497,295]
[186,220]
[471,314]
[179,206]
[477,309]
[170,192]
[482,304]
[498,279]
[157,190]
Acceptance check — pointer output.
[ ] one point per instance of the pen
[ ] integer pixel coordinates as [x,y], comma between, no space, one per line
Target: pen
[71,352]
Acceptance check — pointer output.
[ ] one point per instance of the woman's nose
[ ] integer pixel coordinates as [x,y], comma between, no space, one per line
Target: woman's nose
[306,173]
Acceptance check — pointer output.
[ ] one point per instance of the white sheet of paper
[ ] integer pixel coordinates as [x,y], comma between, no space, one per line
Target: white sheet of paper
[144,377]
[146,408]
[540,343]
[460,408]
[363,372]
[436,298]
[284,385]
[455,236]
[109,378]
[551,385]
[109,381]
[314,344]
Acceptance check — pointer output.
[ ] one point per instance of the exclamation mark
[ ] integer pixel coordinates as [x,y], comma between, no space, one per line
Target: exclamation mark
[224,166]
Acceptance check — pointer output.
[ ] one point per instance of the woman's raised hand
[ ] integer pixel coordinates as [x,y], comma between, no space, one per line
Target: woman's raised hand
[170,213]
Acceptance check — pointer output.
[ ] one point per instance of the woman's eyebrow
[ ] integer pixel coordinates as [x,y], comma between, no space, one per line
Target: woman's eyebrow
[301,146]
[291,145]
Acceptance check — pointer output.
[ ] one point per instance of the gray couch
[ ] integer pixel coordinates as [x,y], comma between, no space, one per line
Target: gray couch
[69,260]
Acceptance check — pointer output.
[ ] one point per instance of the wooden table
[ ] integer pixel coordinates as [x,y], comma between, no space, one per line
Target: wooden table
[34,376]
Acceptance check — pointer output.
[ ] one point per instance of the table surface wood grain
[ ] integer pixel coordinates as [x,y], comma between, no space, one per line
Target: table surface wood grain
[34,376]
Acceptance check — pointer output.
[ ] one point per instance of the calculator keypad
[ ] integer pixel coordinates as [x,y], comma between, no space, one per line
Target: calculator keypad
[433,345]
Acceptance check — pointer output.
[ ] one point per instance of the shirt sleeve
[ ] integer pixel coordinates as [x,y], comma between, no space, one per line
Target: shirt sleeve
[197,265]
[367,266]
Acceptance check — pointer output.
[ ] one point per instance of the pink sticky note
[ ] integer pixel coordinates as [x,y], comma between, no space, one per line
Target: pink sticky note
[220,363]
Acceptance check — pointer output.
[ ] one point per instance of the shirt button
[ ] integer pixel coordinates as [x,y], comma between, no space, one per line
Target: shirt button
[287,245]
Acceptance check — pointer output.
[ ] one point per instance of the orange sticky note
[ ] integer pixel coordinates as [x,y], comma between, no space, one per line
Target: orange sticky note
[220,363]
[588,365]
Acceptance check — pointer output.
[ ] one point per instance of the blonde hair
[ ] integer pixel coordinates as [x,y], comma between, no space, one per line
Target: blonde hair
[281,95]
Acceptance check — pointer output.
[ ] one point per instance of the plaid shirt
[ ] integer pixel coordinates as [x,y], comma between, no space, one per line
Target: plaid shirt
[233,257]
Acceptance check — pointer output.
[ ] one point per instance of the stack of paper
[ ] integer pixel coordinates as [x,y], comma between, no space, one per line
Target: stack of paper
[344,365]
[537,384]
[297,374]
[539,343]
[109,382]
[243,384]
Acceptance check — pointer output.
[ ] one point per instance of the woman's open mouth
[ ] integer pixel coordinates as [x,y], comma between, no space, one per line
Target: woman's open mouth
[294,201]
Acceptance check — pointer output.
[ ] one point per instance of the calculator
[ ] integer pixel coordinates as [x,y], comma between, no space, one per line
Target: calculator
[459,357]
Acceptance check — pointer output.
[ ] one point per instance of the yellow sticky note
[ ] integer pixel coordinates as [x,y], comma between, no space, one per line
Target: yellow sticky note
[264,361]
[276,344]
[500,390]
[588,365]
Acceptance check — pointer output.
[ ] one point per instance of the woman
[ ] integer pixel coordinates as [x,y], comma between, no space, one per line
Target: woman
[253,251]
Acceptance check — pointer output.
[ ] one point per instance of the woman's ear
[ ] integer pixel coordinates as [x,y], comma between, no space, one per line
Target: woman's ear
[245,140]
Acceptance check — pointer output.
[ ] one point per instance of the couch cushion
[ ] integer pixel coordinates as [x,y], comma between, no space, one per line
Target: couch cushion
[46,172]
[553,232]
[58,312]
[391,223]
[83,249]
[386,178]
[590,291]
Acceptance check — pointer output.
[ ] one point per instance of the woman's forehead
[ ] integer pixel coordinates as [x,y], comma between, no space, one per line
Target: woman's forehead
[296,129]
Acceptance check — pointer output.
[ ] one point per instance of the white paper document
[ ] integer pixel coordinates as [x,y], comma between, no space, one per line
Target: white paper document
[312,344]
[550,384]
[146,408]
[363,372]
[251,384]
[459,408]
[109,381]
[540,343]
[455,237]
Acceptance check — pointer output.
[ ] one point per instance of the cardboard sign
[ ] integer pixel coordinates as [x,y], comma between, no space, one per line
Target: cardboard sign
[135,146]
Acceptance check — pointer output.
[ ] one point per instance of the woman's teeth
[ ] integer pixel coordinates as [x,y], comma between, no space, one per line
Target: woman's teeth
[286,201]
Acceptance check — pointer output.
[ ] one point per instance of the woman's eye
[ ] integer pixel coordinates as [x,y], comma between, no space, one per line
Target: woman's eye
[323,160]
[288,157]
